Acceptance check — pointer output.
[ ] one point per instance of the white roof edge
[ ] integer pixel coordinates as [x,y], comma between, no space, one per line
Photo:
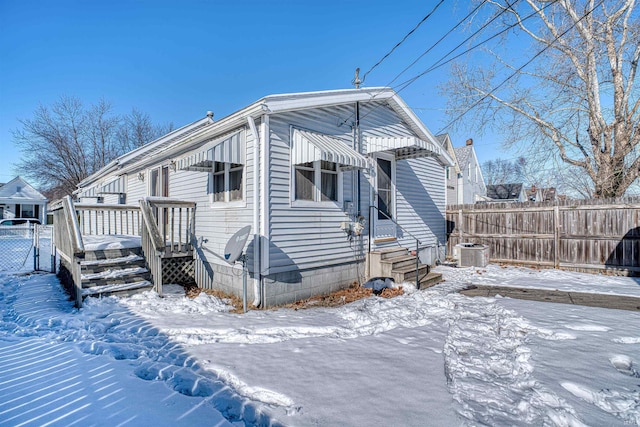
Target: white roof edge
[292,101]
[274,104]
[139,151]
[39,197]
[421,129]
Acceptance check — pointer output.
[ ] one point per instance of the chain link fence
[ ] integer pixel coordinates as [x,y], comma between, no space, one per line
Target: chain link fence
[25,248]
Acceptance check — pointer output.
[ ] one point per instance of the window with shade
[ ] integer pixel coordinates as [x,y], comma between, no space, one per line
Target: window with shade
[317,181]
[227,185]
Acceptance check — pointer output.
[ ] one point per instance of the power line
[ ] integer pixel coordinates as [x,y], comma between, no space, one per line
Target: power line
[518,70]
[439,62]
[427,16]
[438,42]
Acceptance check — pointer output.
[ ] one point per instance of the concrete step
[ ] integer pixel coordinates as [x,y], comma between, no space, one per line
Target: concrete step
[408,274]
[400,261]
[392,252]
[431,279]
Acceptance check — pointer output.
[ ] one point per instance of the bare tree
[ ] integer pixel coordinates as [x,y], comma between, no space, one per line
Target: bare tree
[65,143]
[500,171]
[137,129]
[578,99]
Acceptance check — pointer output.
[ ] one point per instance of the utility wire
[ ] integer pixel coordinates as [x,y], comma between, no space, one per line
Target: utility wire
[438,63]
[427,16]
[517,71]
[424,53]
[439,40]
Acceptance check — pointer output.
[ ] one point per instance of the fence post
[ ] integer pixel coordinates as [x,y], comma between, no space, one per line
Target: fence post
[77,279]
[53,252]
[36,247]
[460,225]
[556,236]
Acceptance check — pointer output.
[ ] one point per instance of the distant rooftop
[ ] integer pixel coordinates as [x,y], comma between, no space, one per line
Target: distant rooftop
[504,191]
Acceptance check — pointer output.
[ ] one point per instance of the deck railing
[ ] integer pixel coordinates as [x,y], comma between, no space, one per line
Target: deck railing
[69,245]
[165,226]
[101,219]
[167,232]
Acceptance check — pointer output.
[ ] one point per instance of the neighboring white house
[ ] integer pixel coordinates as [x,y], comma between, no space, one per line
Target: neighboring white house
[452,172]
[18,199]
[465,183]
[304,170]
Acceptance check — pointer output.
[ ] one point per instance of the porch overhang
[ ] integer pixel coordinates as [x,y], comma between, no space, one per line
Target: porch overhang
[229,150]
[116,186]
[310,146]
[407,147]
[89,192]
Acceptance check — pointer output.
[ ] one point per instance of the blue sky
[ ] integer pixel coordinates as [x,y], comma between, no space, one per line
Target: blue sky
[176,60]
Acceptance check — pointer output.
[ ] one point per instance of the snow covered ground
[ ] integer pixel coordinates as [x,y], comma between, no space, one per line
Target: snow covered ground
[426,358]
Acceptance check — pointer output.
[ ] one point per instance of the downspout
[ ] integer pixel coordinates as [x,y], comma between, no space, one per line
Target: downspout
[264,203]
[257,276]
[358,148]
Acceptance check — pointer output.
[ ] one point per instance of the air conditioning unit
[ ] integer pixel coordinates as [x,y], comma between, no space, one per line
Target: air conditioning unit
[472,255]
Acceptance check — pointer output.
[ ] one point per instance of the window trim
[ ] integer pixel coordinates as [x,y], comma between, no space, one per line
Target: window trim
[163,171]
[317,201]
[227,203]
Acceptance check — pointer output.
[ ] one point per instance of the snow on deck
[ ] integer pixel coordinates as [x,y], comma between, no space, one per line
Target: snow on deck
[112,241]
[114,273]
[118,287]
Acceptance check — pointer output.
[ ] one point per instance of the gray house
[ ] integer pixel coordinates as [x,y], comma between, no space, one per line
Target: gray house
[324,179]
[513,192]
[18,199]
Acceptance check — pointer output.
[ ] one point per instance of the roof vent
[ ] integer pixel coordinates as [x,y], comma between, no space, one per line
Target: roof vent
[469,141]
[210,114]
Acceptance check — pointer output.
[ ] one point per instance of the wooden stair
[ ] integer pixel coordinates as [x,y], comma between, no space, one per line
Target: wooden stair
[398,264]
[114,272]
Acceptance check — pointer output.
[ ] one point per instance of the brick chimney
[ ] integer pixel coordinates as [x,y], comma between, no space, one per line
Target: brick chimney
[469,141]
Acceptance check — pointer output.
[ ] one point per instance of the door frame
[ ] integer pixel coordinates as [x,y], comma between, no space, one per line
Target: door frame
[384,228]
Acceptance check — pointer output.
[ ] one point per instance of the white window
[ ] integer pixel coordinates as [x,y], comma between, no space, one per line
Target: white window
[159,182]
[317,181]
[227,182]
[27,211]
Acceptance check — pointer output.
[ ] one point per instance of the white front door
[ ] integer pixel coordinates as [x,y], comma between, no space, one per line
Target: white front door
[385,197]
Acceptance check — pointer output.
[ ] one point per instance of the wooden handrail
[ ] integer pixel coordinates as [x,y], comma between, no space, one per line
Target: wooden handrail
[73,228]
[151,226]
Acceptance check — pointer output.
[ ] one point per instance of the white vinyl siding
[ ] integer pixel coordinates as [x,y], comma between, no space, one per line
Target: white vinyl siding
[421,201]
[307,237]
[215,225]
[136,189]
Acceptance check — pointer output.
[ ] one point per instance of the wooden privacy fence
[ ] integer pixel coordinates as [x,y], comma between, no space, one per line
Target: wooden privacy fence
[587,235]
